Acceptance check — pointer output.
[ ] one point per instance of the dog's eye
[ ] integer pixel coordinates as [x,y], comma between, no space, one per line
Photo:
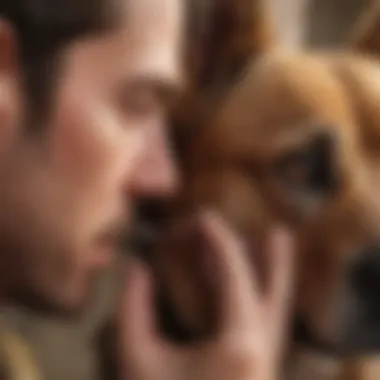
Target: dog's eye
[311,168]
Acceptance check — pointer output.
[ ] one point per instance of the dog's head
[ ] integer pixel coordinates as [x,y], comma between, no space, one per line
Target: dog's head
[295,139]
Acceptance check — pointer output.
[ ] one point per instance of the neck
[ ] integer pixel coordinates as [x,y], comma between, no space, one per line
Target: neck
[3,286]
[5,278]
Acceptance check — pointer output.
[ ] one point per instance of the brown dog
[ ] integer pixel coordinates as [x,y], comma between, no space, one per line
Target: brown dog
[296,140]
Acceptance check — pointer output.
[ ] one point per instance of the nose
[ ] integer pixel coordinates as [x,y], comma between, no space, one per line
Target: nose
[365,279]
[156,173]
[359,328]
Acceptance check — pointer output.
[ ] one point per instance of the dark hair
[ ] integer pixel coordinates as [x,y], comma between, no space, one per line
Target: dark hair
[43,28]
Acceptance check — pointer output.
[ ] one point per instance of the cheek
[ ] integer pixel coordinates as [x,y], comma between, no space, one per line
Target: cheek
[244,204]
[234,196]
[91,143]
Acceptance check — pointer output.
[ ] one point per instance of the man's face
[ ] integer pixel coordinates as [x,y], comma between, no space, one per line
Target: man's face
[67,191]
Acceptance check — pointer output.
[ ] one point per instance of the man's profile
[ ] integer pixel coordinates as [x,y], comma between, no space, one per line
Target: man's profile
[85,87]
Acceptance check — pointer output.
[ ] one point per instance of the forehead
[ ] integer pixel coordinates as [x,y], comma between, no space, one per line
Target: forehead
[154,32]
[146,42]
[281,101]
[143,16]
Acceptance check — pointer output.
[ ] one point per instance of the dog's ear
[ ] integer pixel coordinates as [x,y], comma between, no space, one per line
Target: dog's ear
[361,80]
[224,34]
[366,35]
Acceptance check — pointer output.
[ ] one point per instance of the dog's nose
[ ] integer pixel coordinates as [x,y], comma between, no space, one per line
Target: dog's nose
[365,278]
[359,327]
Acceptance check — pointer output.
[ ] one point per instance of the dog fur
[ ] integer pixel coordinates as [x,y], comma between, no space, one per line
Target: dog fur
[250,157]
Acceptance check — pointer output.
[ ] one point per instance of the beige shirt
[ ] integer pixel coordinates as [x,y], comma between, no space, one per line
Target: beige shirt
[16,358]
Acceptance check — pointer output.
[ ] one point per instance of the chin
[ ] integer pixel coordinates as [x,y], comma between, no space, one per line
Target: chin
[58,305]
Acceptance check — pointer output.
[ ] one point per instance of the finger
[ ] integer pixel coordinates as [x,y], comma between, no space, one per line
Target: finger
[137,317]
[280,250]
[238,289]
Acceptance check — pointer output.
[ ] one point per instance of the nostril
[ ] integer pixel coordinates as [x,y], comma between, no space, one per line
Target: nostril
[365,277]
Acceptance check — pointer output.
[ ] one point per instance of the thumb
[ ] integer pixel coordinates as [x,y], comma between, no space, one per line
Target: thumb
[280,294]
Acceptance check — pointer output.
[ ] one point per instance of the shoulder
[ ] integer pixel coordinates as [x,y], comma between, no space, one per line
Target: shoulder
[16,359]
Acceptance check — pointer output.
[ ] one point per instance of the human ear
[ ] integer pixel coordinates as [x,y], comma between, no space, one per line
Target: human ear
[9,83]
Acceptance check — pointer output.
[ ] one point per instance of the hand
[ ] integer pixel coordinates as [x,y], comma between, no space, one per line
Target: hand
[249,343]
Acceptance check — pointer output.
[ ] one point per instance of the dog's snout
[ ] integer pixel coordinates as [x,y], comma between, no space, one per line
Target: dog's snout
[359,327]
[365,277]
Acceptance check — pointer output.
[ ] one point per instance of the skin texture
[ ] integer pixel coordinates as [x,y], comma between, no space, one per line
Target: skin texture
[68,191]
[251,158]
